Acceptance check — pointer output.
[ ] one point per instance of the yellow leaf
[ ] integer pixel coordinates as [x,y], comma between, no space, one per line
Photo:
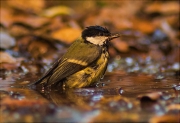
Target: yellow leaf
[57,10]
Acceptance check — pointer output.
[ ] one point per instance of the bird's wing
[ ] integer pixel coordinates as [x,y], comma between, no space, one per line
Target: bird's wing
[78,56]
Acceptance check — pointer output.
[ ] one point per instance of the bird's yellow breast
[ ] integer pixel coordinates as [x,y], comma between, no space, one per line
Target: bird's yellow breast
[88,75]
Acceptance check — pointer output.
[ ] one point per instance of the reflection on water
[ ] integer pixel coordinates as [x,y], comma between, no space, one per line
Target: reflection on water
[117,93]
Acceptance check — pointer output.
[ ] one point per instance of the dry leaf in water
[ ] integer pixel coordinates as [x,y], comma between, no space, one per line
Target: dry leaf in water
[165,119]
[7,61]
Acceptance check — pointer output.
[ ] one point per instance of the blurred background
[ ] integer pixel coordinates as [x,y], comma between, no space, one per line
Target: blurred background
[35,33]
[43,29]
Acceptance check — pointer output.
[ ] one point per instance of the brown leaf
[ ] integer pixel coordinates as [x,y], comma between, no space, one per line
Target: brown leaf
[106,116]
[6,58]
[144,26]
[28,6]
[164,8]
[32,21]
[21,103]
[120,45]
[8,66]
[9,62]
[173,107]
[112,51]
[38,48]
[165,119]
[18,31]
[6,16]
[155,52]
[66,35]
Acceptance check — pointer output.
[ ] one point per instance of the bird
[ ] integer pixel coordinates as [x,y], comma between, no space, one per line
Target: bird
[84,63]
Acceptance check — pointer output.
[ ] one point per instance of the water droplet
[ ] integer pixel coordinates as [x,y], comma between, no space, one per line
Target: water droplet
[108,80]
[159,76]
[96,97]
[16,95]
[129,105]
[42,90]
[176,87]
[176,66]
[121,91]
[25,70]
[129,61]
[110,68]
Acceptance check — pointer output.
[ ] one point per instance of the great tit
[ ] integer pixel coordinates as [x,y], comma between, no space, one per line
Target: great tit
[84,63]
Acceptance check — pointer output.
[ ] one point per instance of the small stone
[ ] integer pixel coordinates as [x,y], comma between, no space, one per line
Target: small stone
[6,40]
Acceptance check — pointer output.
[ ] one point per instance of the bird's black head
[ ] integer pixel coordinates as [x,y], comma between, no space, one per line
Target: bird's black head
[93,31]
[97,35]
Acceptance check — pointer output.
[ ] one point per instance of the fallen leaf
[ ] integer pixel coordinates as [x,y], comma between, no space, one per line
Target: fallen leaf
[6,58]
[38,48]
[144,26]
[6,16]
[8,66]
[173,107]
[120,45]
[31,21]
[169,118]
[164,8]
[106,116]
[18,31]
[8,62]
[21,106]
[66,35]
[57,10]
[28,6]
[155,53]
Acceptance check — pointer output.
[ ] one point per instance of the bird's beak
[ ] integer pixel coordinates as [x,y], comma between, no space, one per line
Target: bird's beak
[114,36]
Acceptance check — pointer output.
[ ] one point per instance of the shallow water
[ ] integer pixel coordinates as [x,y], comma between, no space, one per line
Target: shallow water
[120,96]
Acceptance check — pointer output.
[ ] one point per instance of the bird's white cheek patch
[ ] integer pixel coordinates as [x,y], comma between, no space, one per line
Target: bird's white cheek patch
[77,62]
[98,40]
